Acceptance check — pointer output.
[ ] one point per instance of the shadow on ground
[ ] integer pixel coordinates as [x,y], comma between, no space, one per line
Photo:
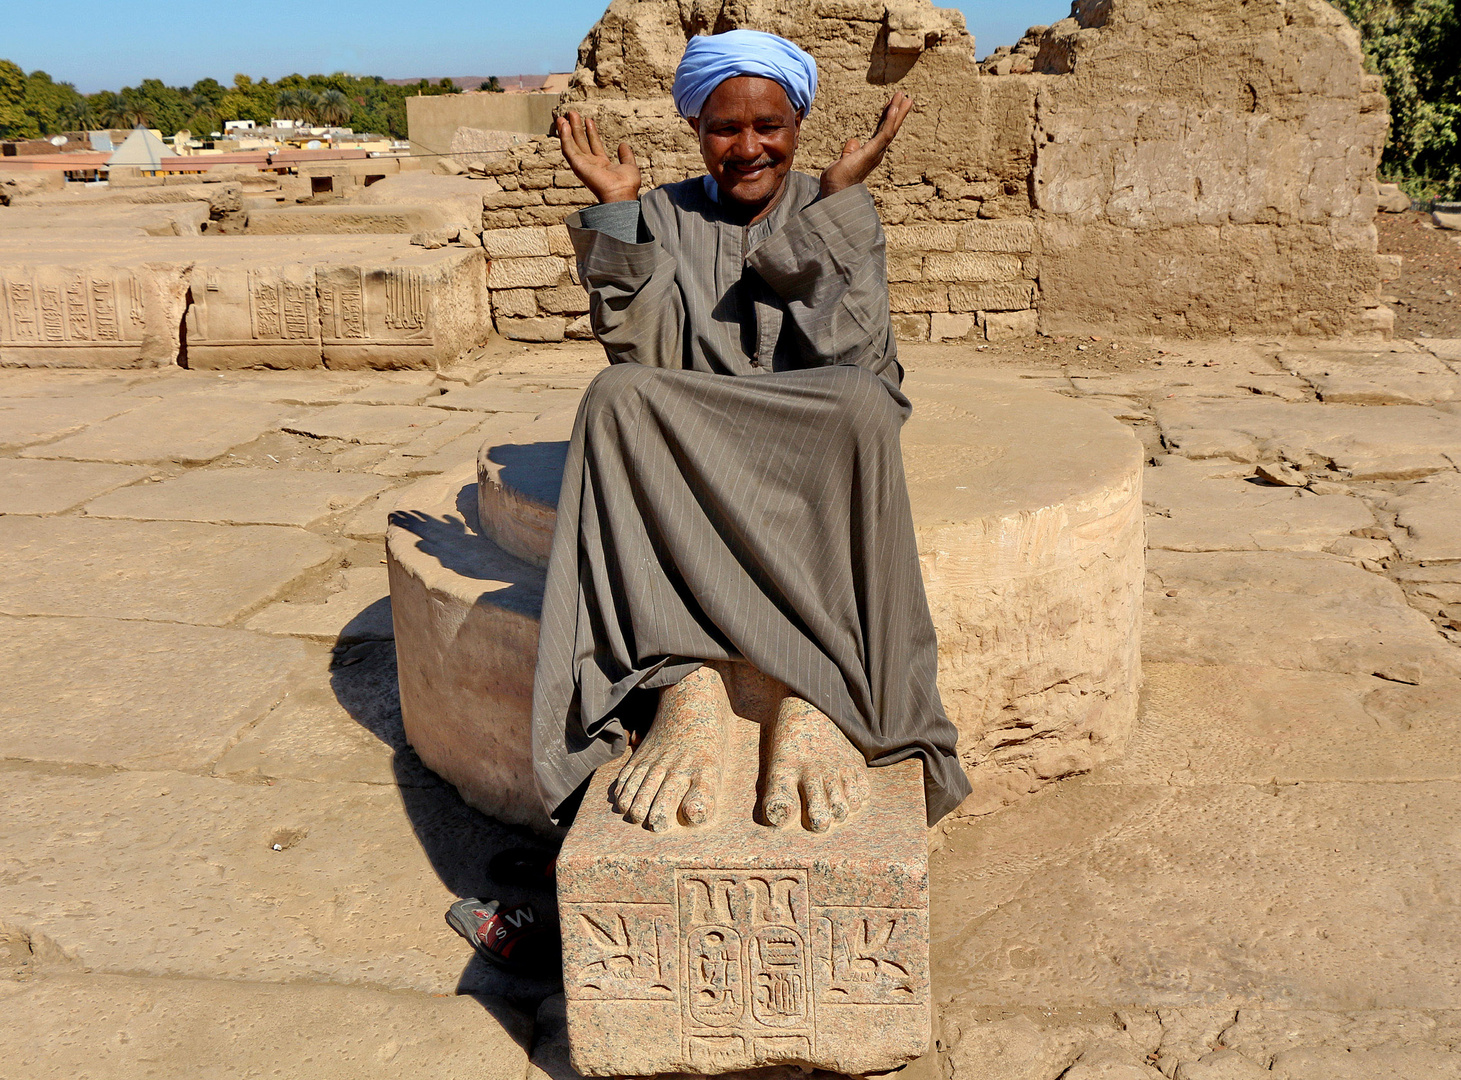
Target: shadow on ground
[459,841]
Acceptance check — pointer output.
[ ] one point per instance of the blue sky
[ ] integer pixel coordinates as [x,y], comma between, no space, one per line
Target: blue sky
[107,45]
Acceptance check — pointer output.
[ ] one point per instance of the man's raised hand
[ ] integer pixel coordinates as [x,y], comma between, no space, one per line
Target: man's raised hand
[858,158]
[610,181]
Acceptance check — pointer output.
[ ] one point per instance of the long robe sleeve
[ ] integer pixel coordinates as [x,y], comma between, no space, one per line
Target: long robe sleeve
[634,305]
[829,264]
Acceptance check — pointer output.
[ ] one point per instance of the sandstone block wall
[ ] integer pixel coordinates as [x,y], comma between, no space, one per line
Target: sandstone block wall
[1185,167]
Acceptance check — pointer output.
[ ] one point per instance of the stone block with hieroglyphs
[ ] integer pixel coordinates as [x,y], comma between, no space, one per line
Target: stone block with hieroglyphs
[87,315]
[734,945]
[253,315]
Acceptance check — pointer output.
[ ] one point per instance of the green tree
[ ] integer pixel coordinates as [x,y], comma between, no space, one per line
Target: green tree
[1415,48]
[15,122]
[334,107]
[493,85]
[33,105]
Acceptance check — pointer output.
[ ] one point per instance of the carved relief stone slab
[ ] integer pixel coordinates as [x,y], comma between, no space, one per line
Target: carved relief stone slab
[253,315]
[736,945]
[420,310]
[88,316]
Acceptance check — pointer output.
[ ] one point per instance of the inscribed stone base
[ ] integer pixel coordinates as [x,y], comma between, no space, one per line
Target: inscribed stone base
[735,945]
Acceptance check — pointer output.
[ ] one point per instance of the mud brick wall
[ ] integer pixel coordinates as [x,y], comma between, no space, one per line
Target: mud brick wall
[1178,167]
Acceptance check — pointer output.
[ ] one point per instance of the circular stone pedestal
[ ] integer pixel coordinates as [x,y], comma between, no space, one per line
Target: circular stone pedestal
[1027,509]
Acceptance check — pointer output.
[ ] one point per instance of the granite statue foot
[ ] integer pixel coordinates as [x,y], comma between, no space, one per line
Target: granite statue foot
[674,775]
[812,773]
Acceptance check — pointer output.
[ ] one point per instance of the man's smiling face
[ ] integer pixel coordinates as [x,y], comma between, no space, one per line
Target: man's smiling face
[748,133]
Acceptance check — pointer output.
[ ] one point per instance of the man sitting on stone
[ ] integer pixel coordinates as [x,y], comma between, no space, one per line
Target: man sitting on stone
[734,510]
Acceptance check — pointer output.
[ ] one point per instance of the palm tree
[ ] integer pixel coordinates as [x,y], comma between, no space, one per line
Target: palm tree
[288,106]
[302,105]
[494,85]
[111,110]
[79,114]
[334,108]
[204,116]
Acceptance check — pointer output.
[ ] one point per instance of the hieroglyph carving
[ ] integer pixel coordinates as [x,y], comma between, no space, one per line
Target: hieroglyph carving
[342,306]
[748,958]
[405,300]
[629,951]
[279,310]
[80,309]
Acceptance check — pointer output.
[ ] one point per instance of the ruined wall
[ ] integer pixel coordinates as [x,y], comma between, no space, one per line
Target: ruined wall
[1144,166]
[1208,167]
[432,121]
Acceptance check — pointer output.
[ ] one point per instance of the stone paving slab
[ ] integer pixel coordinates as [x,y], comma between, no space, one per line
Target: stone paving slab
[1262,1035]
[1430,513]
[70,1026]
[1398,442]
[434,438]
[1200,1043]
[1288,610]
[1445,348]
[461,449]
[1164,384]
[317,388]
[136,695]
[1375,378]
[1200,506]
[360,611]
[493,396]
[173,571]
[346,728]
[385,425]
[49,487]
[24,421]
[1252,725]
[190,431]
[242,496]
[164,873]
[1297,896]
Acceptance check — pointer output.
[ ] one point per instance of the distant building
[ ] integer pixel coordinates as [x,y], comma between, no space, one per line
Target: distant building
[237,125]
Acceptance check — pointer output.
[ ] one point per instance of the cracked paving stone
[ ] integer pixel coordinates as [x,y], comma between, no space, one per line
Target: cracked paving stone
[242,496]
[189,430]
[1429,511]
[170,571]
[136,695]
[1288,610]
[1396,442]
[49,487]
[1251,725]
[31,420]
[170,874]
[360,611]
[388,425]
[69,1026]
[1301,896]
[1200,506]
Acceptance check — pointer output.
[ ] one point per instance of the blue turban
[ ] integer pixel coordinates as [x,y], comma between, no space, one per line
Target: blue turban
[710,61]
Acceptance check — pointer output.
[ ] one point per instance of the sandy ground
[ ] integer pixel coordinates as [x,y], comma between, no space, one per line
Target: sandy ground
[1424,296]
[218,855]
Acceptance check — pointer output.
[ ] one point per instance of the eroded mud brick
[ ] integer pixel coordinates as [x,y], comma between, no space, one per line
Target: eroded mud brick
[734,945]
